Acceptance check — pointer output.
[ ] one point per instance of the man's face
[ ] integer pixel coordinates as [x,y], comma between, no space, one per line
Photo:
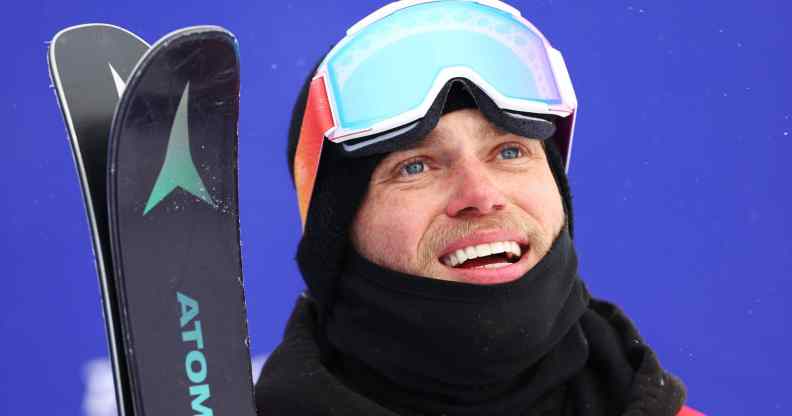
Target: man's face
[453,207]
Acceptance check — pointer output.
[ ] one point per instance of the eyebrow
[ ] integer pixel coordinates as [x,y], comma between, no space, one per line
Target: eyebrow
[487,131]
[490,130]
[426,141]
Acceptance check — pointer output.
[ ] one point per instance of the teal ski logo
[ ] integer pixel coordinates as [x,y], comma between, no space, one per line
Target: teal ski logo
[179,171]
[195,360]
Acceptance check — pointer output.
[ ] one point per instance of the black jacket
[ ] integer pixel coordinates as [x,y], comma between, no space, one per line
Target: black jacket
[294,381]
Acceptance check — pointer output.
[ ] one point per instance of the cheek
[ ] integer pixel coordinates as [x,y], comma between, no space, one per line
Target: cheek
[539,197]
[390,226]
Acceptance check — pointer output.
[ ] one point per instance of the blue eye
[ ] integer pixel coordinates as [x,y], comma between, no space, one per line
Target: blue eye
[413,168]
[511,152]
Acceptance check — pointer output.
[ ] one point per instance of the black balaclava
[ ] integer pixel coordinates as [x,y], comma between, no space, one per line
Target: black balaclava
[419,345]
[435,346]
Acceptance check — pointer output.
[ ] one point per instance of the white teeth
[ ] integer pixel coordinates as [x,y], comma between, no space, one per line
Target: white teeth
[461,256]
[499,247]
[482,250]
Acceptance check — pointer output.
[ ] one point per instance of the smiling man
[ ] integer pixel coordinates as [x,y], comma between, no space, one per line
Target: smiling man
[429,151]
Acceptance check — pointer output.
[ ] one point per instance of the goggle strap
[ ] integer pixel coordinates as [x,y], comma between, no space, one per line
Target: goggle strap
[317,119]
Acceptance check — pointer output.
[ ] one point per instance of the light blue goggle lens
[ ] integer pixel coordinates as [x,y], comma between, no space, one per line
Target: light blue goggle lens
[389,66]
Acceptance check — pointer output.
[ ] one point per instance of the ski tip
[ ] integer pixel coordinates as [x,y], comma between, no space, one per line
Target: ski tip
[208,30]
[52,45]
[85,26]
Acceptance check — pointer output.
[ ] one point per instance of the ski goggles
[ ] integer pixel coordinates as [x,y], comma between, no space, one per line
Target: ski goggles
[384,76]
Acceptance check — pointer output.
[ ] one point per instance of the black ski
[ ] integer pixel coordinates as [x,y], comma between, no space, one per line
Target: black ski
[89,65]
[174,226]
[178,302]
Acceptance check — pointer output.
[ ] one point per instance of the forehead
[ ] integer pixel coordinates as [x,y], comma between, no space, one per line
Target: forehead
[465,125]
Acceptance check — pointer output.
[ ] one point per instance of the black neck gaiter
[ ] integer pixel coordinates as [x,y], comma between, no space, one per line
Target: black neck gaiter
[425,346]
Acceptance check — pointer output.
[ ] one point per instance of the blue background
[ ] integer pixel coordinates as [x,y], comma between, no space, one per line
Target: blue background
[678,173]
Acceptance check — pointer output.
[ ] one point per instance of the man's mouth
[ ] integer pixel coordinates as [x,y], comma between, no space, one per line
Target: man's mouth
[486,256]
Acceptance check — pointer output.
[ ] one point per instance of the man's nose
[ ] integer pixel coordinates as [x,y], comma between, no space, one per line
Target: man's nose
[474,192]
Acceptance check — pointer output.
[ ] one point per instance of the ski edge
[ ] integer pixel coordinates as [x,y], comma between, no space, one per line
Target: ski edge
[101,255]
